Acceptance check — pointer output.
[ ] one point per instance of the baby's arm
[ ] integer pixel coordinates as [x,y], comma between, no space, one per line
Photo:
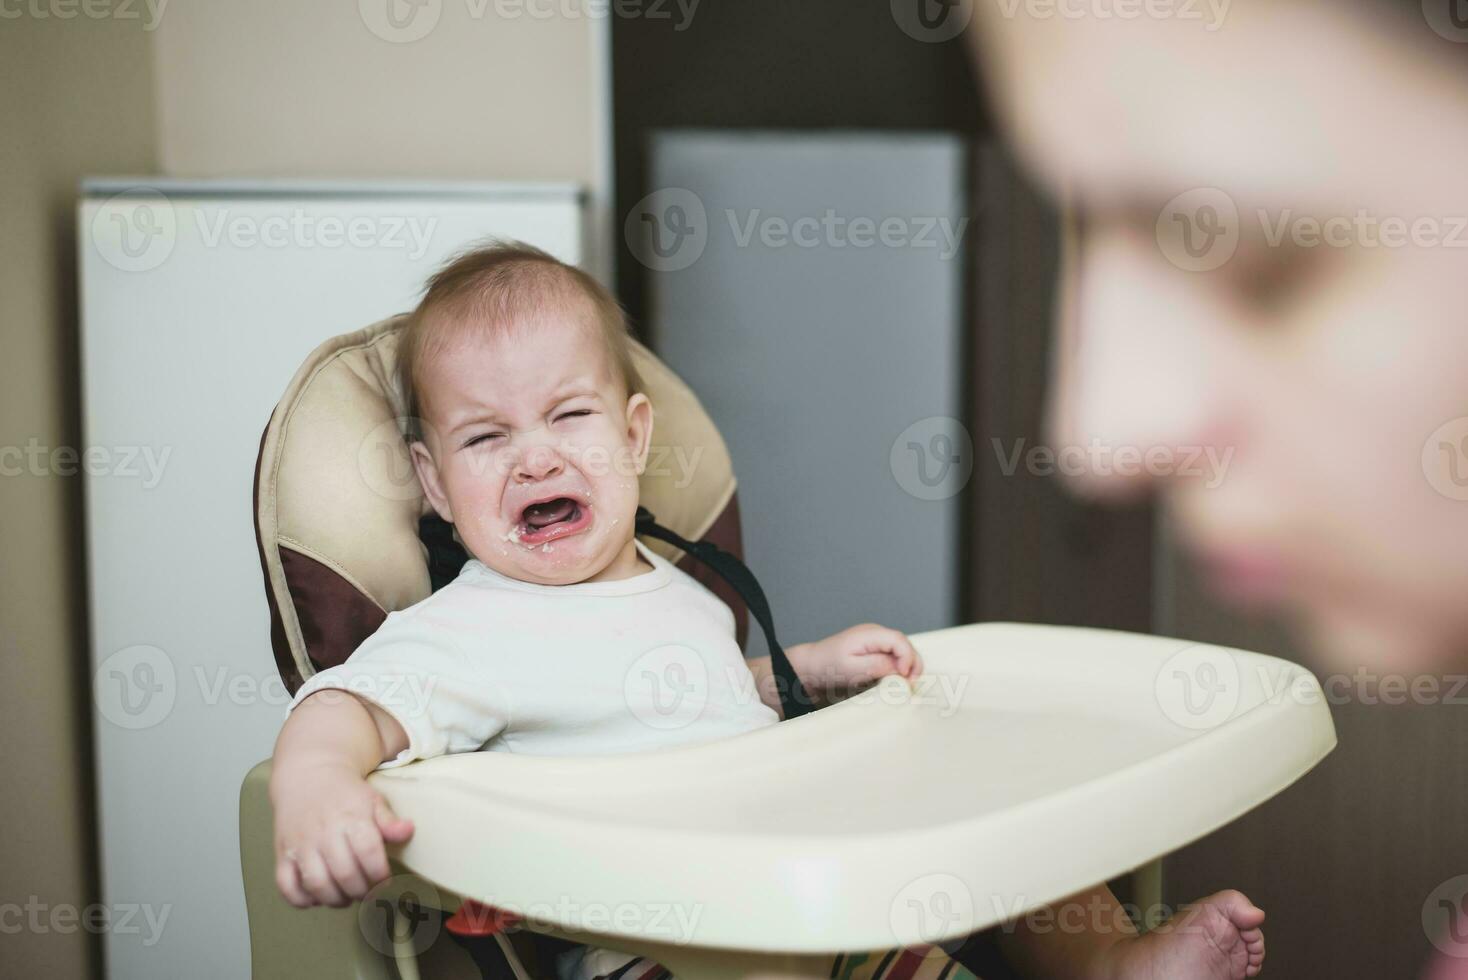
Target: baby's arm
[841,664]
[330,826]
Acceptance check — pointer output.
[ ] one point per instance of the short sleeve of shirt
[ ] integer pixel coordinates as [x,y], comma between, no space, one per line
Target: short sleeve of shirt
[412,669]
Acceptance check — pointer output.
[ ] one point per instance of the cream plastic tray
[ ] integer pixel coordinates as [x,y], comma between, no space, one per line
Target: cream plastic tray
[1029,763]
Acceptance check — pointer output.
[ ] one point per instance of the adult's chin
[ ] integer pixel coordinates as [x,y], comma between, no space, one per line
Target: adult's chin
[1383,640]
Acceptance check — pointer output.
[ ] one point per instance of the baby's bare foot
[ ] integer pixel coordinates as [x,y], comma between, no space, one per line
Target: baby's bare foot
[1215,938]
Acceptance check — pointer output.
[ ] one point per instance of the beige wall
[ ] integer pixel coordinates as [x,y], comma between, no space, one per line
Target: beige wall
[210,88]
[491,90]
[78,100]
[281,87]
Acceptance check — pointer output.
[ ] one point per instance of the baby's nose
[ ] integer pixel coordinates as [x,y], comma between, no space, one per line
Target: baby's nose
[538,463]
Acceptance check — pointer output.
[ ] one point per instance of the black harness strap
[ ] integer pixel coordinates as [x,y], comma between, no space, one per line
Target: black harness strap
[792,693]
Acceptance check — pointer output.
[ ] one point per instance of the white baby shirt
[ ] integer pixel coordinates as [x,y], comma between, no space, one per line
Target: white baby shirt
[594,668]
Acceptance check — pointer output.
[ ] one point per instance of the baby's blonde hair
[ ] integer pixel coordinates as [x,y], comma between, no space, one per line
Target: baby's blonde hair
[494,286]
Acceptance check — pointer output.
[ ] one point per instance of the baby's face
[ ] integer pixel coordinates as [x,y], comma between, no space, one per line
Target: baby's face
[534,450]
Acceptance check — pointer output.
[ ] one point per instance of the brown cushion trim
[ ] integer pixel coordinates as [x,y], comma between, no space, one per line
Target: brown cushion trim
[285,661]
[725,532]
[335,617]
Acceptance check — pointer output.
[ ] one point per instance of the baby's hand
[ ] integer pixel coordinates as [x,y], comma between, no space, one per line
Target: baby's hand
[329,832]
[855,658]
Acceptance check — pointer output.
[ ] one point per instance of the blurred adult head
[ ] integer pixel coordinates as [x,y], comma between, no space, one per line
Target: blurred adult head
[1270,206]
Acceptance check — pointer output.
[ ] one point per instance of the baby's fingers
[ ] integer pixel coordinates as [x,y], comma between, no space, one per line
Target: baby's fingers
[316,879]
[904,655]
[868,668]
[394,829]
[366,843]
[346,871]
[288,880]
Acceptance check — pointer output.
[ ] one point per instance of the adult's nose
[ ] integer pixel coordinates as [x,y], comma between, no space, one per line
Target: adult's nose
[1138,380]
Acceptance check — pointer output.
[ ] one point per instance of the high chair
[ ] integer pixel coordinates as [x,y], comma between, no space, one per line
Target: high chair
[1028,763]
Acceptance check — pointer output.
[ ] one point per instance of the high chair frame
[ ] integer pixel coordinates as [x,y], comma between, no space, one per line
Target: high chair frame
[1106,767]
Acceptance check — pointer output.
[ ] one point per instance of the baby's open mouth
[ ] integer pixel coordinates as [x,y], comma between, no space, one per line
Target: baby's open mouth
[548,520]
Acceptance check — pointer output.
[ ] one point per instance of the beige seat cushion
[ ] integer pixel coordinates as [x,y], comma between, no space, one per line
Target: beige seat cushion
[337,502]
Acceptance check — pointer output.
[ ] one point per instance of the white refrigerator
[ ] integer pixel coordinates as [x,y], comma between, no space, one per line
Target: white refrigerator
[199,300]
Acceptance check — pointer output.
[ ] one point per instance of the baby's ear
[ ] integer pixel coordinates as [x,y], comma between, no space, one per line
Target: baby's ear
[428,477]
[639,428]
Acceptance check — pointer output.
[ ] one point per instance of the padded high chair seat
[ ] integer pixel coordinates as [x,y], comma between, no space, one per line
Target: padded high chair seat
[1030,762]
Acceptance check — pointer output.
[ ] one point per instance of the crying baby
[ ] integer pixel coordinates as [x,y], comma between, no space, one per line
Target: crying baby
[530,429]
